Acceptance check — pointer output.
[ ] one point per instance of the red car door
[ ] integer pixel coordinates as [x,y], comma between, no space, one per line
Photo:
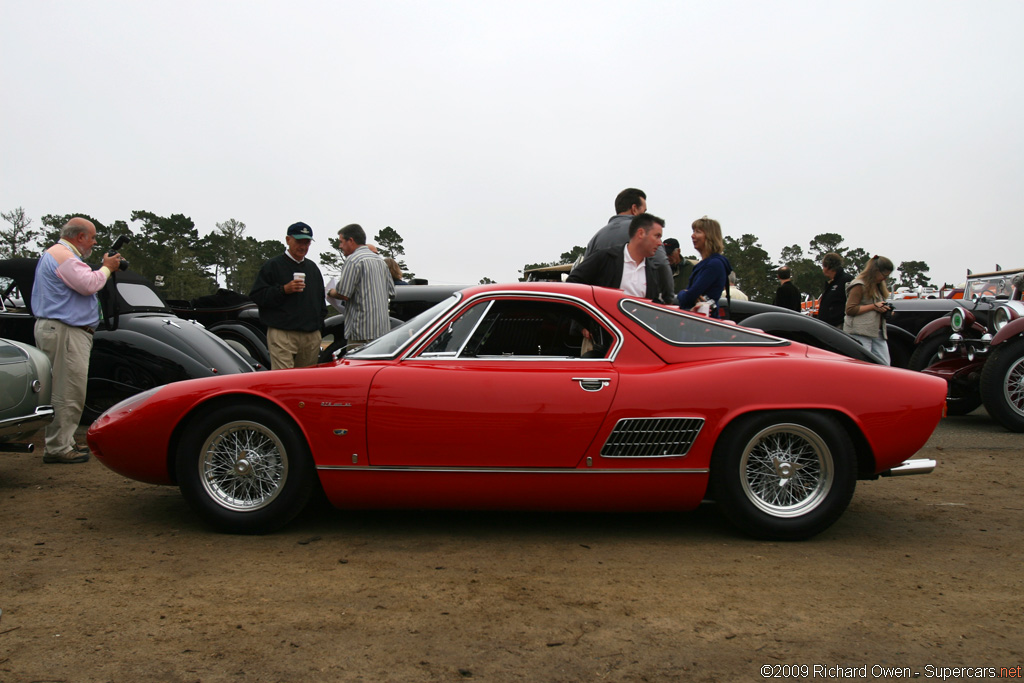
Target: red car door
[506,384]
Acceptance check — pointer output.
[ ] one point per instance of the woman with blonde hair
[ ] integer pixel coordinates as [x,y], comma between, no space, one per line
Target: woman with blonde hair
[709,276]
[866,307]
[395,270]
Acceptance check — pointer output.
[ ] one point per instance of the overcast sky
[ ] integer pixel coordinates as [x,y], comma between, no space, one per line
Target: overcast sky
[490,134]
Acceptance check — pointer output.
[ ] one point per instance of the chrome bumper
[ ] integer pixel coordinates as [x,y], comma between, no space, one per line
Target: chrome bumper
[919,466]
[23,427]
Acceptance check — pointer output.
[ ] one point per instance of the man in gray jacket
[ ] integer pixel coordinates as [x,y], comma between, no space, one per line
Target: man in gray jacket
[632,202]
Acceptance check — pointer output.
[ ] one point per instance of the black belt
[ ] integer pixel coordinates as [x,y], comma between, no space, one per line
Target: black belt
[89,329]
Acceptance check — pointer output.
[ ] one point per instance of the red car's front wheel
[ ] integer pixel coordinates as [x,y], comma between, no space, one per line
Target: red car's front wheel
[245,469]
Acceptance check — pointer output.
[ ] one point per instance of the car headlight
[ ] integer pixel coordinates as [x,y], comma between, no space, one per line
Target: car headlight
[131,401]
[1006,313]
[957,319]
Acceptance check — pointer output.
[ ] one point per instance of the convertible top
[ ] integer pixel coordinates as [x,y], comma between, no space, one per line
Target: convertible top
[23,272]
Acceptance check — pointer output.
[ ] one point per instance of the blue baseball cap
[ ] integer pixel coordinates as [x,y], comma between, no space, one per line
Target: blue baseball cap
[300,231]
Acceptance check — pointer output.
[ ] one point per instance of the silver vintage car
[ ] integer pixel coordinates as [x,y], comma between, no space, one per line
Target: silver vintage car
[24,394]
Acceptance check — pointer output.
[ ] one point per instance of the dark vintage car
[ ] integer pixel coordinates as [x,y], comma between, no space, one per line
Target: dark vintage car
[25,385]
[489,400]
[235,318]
[788,324]
[978,348]
[139,344]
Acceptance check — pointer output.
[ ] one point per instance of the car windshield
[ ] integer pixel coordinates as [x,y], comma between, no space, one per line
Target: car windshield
[998,285]
[394,341]
[679,329]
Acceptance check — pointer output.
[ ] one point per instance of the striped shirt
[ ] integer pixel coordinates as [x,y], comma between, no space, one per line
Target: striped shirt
[366,282]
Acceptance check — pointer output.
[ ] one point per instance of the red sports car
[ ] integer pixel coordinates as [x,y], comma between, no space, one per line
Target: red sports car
[537,396]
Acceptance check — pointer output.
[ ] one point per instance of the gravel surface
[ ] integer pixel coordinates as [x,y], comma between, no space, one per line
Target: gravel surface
[106,579]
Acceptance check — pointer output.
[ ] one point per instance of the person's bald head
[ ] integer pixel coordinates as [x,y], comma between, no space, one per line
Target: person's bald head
[75,227]
[80,232]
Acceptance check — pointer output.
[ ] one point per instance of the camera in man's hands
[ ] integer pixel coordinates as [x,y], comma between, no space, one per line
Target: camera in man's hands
[116,247]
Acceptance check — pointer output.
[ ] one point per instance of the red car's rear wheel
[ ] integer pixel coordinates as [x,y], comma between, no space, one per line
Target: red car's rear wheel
[783,475]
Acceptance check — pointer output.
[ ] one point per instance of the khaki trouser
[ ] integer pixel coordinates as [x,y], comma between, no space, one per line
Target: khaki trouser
[68,349]
[292,349]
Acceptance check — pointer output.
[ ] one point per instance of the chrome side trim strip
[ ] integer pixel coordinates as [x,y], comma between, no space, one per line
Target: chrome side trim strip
[510,470]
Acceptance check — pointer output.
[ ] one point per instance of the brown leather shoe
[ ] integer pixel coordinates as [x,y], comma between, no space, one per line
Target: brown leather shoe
[70,458]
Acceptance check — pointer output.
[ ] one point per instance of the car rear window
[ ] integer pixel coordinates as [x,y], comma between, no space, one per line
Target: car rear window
[682,329]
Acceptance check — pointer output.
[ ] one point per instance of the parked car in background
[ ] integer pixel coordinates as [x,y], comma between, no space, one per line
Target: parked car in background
[978,348]
[788,324]
[24,394]
[548,273]
[139,344]
[489,400]
[235,318]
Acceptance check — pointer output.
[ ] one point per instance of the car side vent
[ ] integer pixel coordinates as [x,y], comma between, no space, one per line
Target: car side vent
[652,437]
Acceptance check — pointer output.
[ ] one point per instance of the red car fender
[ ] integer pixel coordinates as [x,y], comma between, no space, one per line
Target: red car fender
[1011,329]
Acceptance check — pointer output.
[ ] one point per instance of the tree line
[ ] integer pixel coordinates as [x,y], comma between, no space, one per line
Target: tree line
[170,251]
[755,270]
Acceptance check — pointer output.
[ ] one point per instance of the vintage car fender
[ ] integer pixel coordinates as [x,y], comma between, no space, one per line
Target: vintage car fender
[810,331]
[1011,329]
[901,345]
[251,338]
[937,326]
[25,386]
[150,350]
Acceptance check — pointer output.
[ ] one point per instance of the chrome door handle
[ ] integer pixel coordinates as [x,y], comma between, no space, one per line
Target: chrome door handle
[592,383]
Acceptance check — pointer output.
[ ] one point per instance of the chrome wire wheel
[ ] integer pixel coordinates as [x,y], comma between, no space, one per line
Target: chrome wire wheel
[786,470]
[243,466]
[1013,386]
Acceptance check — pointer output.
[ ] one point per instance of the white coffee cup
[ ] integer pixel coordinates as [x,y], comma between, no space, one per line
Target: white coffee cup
[299,276]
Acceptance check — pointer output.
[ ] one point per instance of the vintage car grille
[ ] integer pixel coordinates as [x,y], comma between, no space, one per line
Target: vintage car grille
[652,437]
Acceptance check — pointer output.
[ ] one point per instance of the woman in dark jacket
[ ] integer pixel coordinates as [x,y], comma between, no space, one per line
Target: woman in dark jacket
[707,281]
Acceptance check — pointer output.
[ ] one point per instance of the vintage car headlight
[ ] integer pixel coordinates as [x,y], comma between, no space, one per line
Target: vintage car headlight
[1006,313]
[957,319]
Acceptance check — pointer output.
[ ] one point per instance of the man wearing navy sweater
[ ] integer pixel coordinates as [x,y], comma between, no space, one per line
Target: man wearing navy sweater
[289,290]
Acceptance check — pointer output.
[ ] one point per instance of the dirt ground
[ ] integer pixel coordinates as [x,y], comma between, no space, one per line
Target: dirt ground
[106,579]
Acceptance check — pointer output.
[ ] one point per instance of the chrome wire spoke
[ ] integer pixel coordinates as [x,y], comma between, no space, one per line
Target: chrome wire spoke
[1014,387]
[784,470]
[244,466]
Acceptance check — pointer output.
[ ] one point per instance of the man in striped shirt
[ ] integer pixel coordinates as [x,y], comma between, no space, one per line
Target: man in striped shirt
[366,285]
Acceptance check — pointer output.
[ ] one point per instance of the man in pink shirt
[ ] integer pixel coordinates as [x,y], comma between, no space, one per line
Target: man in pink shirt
[67,312]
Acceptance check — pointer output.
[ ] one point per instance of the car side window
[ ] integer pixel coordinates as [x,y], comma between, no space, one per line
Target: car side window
[530,328]
[451,342]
